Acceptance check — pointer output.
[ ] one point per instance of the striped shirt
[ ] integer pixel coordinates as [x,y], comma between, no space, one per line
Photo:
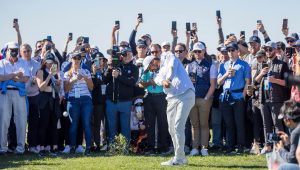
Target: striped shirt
[80,86]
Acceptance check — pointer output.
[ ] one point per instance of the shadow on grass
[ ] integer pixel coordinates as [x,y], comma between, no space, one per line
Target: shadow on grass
[15,161]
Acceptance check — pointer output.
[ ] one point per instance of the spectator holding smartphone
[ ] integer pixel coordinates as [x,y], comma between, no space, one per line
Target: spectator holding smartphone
[271,92]
[48,82]
[78,83]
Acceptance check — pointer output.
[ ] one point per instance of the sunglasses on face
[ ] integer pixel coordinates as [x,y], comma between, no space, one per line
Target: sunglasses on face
[290,41]
[268,49]
[179,51]
[76,58]
[166,47]
[197,51]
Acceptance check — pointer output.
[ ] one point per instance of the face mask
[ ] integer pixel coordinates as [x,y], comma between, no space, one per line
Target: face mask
[14,53]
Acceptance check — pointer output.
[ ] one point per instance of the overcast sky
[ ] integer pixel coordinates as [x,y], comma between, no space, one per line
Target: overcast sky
[95,19]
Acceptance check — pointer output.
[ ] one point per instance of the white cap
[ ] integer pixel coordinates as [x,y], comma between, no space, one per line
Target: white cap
[165,43]
[138,100]
[147,61]
[198,46]
[12,45]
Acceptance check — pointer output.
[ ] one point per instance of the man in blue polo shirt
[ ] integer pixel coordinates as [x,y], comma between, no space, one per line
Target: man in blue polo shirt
[235,76]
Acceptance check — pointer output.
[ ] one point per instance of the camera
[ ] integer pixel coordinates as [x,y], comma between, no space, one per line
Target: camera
[115,56]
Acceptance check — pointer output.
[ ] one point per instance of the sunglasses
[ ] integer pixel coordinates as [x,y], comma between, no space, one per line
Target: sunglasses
[197,51]
[166,47]
[231,50]
[179,51]
[290,41]
[268,49]
[154,52]
[76,58]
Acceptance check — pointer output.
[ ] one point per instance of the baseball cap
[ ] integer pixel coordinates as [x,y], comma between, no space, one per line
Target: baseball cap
[12,45]
[293,36]
[165,43]
[146,35]
[49,58]
[232,45]
[95,47]
[147,61]
[254,39]
[260,53]
[198,46]
[270,44]
[141,42]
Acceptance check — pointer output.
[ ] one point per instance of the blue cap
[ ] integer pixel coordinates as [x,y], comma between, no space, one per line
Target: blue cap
[141,42]
[293,36]
[254,39]
[232,45]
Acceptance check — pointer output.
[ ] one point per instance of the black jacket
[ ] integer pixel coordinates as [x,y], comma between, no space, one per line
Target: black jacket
[97,96]
[124,84]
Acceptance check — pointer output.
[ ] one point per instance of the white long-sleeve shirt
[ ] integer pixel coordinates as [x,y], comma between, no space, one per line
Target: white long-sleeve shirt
[172,69]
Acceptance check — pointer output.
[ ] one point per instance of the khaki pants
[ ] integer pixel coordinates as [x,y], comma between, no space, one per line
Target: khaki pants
[199,120]
[178,110]
[12,100]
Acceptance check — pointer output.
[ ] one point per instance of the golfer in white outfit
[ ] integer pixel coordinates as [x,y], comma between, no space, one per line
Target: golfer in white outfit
[180,97]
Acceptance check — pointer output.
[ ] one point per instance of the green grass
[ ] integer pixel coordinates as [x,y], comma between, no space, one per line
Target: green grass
[102,161]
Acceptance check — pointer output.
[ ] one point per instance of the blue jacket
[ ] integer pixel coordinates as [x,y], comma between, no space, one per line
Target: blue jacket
[19,85]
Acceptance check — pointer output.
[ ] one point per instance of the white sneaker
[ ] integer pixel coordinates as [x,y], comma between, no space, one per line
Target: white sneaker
[79,149]
[194,152]
[173,162]
[255,149]
[66,150]
[104,148]
[33,150]
[204,152]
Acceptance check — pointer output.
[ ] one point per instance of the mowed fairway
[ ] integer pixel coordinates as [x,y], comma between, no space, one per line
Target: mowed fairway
[102,161]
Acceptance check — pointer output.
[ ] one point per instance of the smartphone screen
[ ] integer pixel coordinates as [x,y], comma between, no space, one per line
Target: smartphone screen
[117,23]
[140,16]
[71,35]
[290,51]
[188,26]
[174,25]
[86,40]
[249,87]
[49,37]
[54,67]
[218,13]
[242,33]
[285,23]
[194,26]
[259,21]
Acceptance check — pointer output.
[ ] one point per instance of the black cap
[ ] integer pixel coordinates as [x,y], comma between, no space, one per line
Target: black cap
[254,39]
[141,42]
[50,56]
[232,45]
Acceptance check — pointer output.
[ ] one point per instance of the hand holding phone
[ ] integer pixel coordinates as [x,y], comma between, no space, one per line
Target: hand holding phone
[285,24]
[140,17]
[188,27]
[15,22]
[70,36]
[174,25]
[218,14]
[117,24]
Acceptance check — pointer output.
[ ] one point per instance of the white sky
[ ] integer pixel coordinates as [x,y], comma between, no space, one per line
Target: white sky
[95,18]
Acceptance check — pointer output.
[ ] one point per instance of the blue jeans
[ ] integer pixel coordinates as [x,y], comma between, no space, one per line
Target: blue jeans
[112,110]
[80,108]
[216,121]
[288,166]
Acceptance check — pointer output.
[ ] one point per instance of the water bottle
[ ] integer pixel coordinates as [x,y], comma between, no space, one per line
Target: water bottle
[269,74]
